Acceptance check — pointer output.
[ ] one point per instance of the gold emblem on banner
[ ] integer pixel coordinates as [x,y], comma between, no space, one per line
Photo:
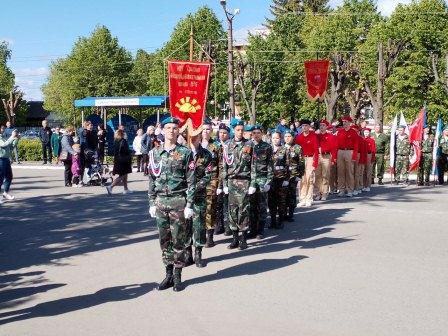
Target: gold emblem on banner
[188,105]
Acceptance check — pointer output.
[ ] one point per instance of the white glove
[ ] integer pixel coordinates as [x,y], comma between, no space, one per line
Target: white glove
[285,183]
[251,191]
[267,187]
[152,211]
[297,179]
[225,190]
[218,191]
[188,213]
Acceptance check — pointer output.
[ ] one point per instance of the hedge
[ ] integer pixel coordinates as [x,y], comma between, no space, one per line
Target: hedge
[30,150]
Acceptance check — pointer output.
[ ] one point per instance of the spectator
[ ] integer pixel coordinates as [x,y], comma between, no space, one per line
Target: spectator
[8,132]
[67,153]
[56,143]
[282,127]
[158,129]
[45,134]
[122,162]
[101,143]
[148,141]
[137,146]
[6,147]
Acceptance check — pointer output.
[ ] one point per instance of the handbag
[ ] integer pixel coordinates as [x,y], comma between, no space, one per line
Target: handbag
[63,156]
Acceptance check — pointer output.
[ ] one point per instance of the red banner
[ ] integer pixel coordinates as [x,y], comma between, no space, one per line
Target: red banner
[316,74]
[188,93]
[415,138]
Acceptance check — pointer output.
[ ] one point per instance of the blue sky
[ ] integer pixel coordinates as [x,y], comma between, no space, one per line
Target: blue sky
[45,30]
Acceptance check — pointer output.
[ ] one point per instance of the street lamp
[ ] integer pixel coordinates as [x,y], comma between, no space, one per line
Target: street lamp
[231,82]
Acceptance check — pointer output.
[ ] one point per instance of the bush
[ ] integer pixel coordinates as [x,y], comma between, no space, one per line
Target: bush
[30,150]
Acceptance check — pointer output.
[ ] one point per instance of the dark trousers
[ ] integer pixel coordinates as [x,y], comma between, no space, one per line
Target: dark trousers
[68,173]
[139,163]
[46,152]
[5,174]
[442,167]
[145,163]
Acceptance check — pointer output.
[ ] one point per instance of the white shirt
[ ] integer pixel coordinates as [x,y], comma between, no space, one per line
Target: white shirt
[137,145]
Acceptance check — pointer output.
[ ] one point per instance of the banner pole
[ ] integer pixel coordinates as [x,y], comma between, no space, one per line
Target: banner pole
[191,43]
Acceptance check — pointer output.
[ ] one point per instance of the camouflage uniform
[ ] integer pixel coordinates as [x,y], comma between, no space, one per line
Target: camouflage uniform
[212,198]
[278,193]
[382,148]
[425,167]
[259,201]
[296,166]
[402,152]
[171,192]
[442,159]
[239,175]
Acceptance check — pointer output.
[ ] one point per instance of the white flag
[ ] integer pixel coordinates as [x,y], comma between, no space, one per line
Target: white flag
[403,122]
[393,131]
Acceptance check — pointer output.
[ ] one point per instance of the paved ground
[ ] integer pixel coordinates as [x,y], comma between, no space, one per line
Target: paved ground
[76,262]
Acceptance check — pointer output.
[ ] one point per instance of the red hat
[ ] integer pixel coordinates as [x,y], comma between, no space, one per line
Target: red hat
[366,129]
[347,118]
[324,122]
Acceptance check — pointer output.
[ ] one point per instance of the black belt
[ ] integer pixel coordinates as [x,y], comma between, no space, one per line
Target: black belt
[369,152]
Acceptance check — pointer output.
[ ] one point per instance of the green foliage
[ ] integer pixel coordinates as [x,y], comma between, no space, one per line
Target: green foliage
[29,150]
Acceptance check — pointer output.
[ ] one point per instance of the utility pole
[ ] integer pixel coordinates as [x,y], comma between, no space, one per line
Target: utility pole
[231,82]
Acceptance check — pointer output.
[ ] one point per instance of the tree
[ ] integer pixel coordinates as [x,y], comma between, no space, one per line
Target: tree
[279,8]
[7,91]
[11,104]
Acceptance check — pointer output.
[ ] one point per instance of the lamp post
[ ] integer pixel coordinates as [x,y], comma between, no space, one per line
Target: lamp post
[231,82]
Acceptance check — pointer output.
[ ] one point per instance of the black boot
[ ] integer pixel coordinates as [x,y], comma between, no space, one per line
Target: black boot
[219,229]
[243,240]
[177,280]
[189,256]
[227,232]
[210,242]
[235,242]
[198,257]
[380,181]
[290,217]
[273,223]
[280,222]
[260,234]
[168,281]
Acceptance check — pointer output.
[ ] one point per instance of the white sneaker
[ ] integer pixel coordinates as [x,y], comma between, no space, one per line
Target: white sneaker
[127,191]
[301,204]
[350,194]
[366,189]
[8,196]
[355,192]
[109,190]
[323,198]
[341,194]
[74,186]
[308,204]
[2,201]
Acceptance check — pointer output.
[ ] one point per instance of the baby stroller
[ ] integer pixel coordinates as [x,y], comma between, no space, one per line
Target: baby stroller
[99,174]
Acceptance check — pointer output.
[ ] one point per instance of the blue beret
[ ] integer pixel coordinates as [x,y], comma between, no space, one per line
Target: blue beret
[234,122]
[248,128]
[223,126]
[257,127]
[238,123]
[170,120]
[289,132]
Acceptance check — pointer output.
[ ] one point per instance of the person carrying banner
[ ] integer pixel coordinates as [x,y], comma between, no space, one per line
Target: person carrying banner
[171,191]
[263,178]
[402,152]
[442,160]
[382,150]
[223,199]
[371,156]
[425,166]
[239,183]
[327,158]
[296,167]
[348,142]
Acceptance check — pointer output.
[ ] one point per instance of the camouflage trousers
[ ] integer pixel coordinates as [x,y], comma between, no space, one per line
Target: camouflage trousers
[239,204]
[278,198]
[402,168]
[258,211]
[212,200]
[196,225]
[222,211]
[291,198]
[173,229]
[425,167]
[379,166]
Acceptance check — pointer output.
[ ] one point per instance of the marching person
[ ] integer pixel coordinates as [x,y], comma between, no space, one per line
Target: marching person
[239,183]
[296,167]
[382,148]
[402,152]
[360,166]
[371,157]
[171,194]
[6,148]
[223,199]
[425,166]
[327,157]
[247,134]
[212,198]
[348,142]
[263,177]
[442,160]
[45,134]
[278,191]
[308,141]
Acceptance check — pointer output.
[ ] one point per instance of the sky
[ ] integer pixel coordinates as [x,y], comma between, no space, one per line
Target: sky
[45,30]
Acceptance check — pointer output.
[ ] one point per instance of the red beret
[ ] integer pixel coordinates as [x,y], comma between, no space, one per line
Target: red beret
[347,118]
[324,122]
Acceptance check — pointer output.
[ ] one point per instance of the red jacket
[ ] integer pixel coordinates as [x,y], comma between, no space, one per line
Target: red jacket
[328,144]
[309,146]
[348,140]
[362,150]
[371,147]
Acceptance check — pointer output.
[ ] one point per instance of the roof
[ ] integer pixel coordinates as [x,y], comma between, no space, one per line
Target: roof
[154,101]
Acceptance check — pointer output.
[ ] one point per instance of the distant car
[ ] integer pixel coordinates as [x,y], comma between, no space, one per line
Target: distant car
[30,134]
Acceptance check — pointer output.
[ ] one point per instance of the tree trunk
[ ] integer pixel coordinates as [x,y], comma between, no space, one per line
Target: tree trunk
[337,82]
[11,104]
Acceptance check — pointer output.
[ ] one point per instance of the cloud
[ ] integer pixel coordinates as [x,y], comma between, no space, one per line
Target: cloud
[386,7]
[41,71]
[241,35]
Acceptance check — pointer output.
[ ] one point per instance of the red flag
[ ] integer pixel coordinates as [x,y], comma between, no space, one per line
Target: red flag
[188,93]
[316,73]
[415,139]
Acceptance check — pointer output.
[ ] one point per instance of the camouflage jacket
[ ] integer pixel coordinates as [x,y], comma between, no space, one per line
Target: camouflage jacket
[403,147]
[381,142]
[280,162]
[428,145]
[443,145]
[263,163]
[238,165]
[296,163]
[203,170]
[171,173]
[214,149]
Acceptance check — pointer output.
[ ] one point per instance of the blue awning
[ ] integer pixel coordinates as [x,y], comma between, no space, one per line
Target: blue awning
[149,101]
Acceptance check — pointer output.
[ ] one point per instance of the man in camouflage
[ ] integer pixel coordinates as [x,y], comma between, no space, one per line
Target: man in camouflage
[223,199]
[171,193]
[425,167]
[296,166]
[382,148]
[402,152]
[239,183]
[212,198]
[263,178]
[442,160]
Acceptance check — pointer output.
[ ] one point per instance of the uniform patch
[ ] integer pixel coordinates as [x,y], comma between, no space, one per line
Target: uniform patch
[192,165]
